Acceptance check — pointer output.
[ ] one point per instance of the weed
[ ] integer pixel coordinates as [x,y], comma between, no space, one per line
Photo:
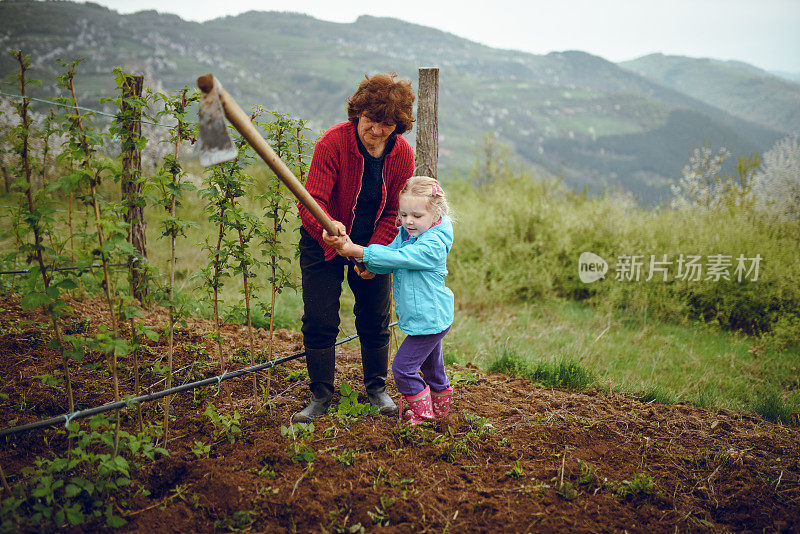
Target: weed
[641,486]
[479,426]
[381,478]
[200,449]
[339,526]
[267,469]
[54,379]
[450,447]
[384,479]
[267,491]
[240,356]
[567,491]
[349,408]
[266,472]
[706,398]
[516,471]
[509,363]
[299,374]
[563,373]
[464,377]
[346,457]
[400,483]
[416,436]
[587,473]
[198,350]
[240,520]
[381,514]
[224,425]
[77,326]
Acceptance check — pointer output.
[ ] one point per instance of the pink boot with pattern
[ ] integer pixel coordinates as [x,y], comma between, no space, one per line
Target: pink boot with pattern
[419,407]
[440,402]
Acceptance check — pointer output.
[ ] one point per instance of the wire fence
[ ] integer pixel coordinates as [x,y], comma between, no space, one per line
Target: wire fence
[60,211]
[82,108]
[74,268]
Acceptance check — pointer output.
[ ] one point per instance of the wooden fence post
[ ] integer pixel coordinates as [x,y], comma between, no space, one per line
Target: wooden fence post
[132,187]
[427,122]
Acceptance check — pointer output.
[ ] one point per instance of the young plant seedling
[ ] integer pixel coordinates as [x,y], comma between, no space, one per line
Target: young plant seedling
[300,447]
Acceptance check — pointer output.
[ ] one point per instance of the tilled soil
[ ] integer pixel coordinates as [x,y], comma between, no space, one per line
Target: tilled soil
[510,457]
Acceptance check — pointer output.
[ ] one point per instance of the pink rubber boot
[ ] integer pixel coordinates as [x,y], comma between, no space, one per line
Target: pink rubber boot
[420,408]
[440,401]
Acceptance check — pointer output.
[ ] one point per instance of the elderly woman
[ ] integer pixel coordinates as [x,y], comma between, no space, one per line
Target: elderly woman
[357,171]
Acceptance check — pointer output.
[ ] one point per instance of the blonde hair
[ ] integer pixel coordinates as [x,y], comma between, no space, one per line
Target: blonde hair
[425,186]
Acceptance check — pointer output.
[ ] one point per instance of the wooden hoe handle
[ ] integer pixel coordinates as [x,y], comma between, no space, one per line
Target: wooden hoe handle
[241,121]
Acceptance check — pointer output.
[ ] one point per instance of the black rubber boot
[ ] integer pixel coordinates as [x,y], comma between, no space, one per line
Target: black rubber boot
[376,365]
[321,364]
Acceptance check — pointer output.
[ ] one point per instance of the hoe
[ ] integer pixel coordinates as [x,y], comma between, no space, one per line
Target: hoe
[216,145]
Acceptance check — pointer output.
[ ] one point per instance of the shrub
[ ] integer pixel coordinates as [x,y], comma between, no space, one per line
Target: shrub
[527,247]
[786,331]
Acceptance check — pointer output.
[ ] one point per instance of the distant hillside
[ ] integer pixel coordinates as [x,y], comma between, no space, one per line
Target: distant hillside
[738,88]
[578,116]
[791,76]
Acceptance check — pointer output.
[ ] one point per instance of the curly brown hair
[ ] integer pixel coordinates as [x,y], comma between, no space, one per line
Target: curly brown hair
[384,99]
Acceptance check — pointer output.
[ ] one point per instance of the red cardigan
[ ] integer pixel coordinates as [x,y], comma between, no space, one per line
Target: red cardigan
[334,180]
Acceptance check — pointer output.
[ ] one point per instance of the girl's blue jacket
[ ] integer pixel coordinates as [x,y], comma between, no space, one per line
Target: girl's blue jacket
[419,264]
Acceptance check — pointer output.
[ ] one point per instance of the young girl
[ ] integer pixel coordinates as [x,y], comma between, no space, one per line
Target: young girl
[417,258]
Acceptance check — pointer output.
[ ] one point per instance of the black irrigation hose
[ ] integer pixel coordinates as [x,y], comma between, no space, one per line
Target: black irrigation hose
[92,266]
[68,417]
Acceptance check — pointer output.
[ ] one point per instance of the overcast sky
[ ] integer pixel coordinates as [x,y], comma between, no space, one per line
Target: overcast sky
[764,33]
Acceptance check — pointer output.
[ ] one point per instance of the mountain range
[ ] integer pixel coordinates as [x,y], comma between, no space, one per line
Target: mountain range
[598,124]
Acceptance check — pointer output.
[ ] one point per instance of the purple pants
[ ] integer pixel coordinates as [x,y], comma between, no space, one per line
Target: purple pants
[420,353]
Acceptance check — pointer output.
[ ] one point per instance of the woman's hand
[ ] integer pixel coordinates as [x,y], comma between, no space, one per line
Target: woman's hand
[343,245]
[335,241]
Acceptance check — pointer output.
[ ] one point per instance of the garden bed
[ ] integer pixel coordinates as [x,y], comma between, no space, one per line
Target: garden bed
[511,456]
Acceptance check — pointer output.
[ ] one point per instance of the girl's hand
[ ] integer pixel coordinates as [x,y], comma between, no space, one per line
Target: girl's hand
[363,272]
[348,248]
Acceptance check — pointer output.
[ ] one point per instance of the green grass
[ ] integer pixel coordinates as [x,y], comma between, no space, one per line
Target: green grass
[773,407]
[564,343]
[563,373]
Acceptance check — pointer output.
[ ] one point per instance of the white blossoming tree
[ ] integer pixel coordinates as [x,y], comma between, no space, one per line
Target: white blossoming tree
[705,187]
[777,184]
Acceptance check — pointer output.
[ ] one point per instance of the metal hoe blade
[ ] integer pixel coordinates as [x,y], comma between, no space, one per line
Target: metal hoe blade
[216,145]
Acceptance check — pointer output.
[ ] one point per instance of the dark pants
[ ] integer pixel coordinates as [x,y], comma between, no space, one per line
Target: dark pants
[322,289]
